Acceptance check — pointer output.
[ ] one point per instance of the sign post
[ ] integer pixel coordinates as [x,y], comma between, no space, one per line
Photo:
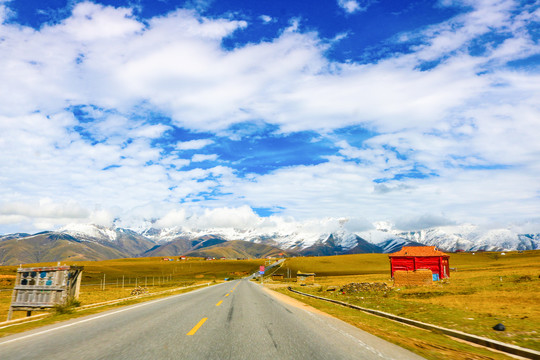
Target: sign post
[261,272]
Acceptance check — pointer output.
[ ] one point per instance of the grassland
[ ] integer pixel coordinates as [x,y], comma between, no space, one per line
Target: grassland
[486,289]
[123,275]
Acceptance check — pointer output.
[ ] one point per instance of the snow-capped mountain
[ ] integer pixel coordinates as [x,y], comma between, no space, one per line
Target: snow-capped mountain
[90,232]
[286,238]
[471,238]
[311,239]
[298,238]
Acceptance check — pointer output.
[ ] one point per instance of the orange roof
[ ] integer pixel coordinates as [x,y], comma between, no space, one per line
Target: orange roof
[418,251]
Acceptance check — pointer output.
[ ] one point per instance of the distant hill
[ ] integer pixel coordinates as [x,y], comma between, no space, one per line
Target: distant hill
[183,245]
[50,247]
[237,249]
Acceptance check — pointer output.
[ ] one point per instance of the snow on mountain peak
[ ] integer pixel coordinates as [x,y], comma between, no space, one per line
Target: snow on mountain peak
[90,230]
[301,235]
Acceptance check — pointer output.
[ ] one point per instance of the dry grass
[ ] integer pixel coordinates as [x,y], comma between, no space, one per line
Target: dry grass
[428,344]
[123,275]
[485,290]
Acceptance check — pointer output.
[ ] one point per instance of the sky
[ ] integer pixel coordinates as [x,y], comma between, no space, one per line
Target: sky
[237,113]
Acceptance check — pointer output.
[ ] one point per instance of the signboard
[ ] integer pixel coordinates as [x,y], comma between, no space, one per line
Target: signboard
[261,270]
[43,287]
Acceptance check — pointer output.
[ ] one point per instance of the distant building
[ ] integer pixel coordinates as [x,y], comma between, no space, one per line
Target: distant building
[411,258]
[305,278]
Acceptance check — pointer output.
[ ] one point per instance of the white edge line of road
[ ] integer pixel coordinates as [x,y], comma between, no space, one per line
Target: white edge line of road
[103,315]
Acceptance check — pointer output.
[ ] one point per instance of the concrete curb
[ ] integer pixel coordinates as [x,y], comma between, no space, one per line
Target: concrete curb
[494,344]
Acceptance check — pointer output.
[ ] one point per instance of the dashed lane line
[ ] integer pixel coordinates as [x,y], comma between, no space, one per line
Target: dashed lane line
[196,327]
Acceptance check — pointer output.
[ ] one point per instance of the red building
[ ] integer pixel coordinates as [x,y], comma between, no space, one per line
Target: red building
[411,258]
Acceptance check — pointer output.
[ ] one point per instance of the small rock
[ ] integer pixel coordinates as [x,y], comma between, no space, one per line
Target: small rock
[499,327]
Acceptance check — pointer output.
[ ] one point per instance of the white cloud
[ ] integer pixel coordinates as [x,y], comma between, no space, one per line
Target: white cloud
[46,208]
[468,124]
[422,222]
[350,6]
[150,131]
[193,144]
[174,218]
[93,22]
[204,157]
[239,218]
[266,19]
[5,12]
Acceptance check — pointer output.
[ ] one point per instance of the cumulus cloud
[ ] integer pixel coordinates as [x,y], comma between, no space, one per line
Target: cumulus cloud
[239,218]
[46,208]
[84,98]
[266,19]
[422,222]
[204,157]
[194,144]
[350,6]
[244,219]
[175,218]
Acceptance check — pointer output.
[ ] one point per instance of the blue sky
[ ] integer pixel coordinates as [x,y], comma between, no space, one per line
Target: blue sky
[164,111]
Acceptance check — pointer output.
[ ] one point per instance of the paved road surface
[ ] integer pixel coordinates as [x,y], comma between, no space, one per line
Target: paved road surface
[234,320]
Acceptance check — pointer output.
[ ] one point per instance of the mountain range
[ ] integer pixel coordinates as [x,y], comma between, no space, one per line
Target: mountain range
[94,242]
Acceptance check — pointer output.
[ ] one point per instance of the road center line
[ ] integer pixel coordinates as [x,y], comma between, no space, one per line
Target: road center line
[102,316]
[227,294]
[219,303]
[196,327]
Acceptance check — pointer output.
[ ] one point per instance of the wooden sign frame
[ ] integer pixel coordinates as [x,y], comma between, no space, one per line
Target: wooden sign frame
[39,288]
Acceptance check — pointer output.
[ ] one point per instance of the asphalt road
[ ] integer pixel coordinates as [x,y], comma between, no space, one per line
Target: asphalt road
[234,320]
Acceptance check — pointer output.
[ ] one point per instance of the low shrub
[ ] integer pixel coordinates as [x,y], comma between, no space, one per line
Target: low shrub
[67,307]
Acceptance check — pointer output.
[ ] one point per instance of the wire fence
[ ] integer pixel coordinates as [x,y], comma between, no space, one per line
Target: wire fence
[127,282]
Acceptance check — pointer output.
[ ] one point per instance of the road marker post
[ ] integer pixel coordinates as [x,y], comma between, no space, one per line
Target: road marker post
[261,272]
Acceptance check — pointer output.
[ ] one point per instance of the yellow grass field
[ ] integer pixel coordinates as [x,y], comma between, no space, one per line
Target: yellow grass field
[123,275]
[483,290]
